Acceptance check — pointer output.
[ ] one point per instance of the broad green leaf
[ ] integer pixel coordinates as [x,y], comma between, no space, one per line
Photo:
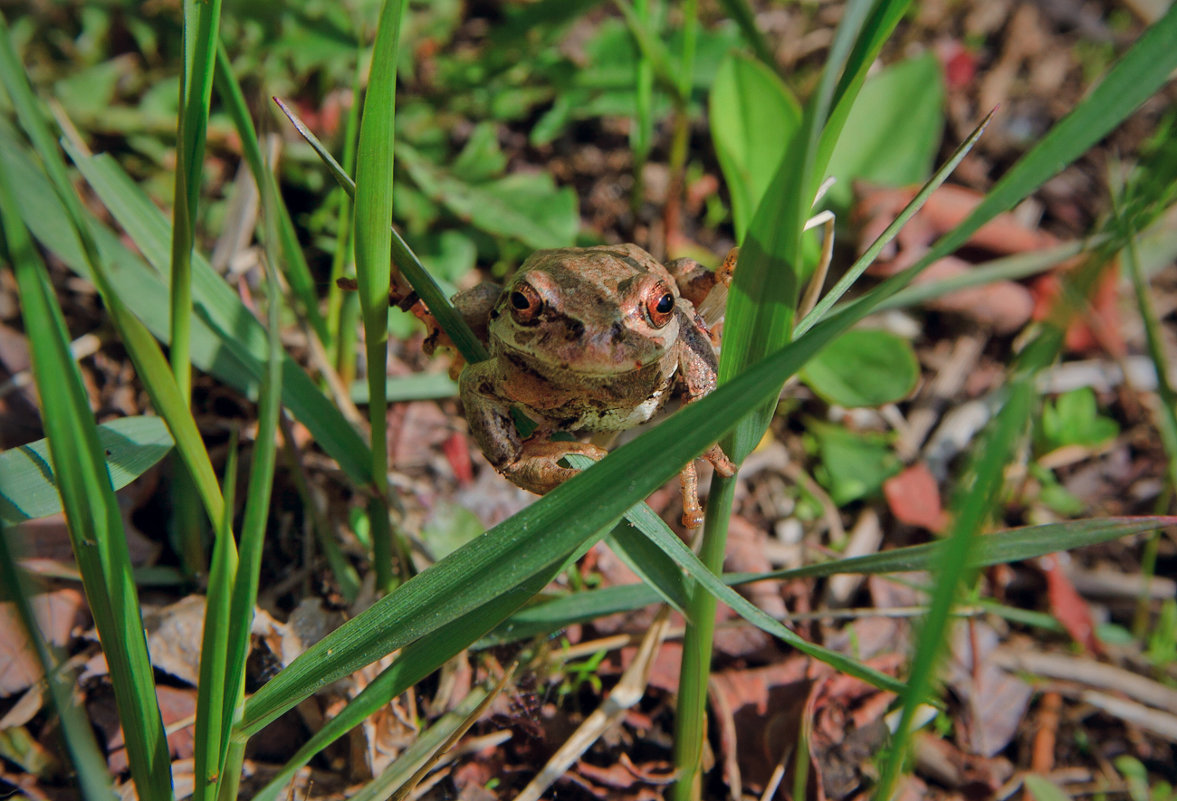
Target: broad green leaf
[893,130]
[853,465]
[525,206]
[1074,419]
[1043,789]
[481,158]
[753,116]
[863,367]
[131,445]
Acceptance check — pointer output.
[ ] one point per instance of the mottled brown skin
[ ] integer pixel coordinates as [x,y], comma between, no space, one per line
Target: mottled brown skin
[584,340]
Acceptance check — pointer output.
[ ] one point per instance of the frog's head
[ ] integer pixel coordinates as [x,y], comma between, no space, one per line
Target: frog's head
[598,311]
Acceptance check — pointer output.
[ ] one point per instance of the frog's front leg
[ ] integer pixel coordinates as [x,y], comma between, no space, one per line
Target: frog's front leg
[532,464]
[697,368]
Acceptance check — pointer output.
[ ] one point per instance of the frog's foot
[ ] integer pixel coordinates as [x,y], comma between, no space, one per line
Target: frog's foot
[537,467]
[692,512]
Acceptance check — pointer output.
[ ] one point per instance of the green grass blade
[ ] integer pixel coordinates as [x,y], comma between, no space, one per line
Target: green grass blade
[130,445]
[910,210]
[146,355]
[343,307]
[95,522]
[1003,547]
[974,504]
[201,19]
[212,727]
[235,346]
[405,259]
[412,665]
[1166,413]
[373,250]
[257,508]
[1133,79]
[297,272]
[745,19]
[85,758]
[655,52]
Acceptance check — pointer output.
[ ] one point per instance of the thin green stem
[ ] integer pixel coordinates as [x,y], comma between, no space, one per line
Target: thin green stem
[690,724]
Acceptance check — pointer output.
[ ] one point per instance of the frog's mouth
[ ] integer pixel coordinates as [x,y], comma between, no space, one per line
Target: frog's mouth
[556,366]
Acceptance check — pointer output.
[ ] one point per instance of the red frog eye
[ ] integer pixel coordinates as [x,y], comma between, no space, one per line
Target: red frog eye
[659,305]
[525,303]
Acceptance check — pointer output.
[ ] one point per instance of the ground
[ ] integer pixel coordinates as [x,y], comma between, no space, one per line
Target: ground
[1061,667]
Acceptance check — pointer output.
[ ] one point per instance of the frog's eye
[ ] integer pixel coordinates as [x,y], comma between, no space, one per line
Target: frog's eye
[659,305]
[525,303]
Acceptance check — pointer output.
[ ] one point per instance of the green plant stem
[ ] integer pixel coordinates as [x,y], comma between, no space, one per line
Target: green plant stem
[690,723]
[341,306]
[373,241]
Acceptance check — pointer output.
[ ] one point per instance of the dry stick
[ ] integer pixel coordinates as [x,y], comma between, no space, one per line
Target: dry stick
[1089,672]
[1042,755]
[628,692]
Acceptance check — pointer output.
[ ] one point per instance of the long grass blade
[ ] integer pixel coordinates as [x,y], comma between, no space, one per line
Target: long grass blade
[67,211]
[233,345]
[86,761]
[297,271]
[373,244]
[406,260]
[1003,547]
[201,20]
[95,522]
[257,507]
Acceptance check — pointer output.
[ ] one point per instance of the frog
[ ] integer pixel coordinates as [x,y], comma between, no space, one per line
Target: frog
[587,341]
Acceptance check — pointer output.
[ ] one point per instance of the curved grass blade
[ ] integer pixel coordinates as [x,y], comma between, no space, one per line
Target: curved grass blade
[130,445]
[236,345]
[297,271]
[1002,547]
[86,761]
[145,353]
[406,260]
[95,521]
[373,248]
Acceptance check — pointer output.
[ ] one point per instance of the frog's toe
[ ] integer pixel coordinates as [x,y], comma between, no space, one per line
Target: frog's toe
[719,461]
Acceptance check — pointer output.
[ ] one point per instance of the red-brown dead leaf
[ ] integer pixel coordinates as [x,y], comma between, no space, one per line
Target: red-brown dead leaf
[1096,327]
[914,498]
[1067,606]
[57,613]
[457,452]
[1002,305]
[759,713]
